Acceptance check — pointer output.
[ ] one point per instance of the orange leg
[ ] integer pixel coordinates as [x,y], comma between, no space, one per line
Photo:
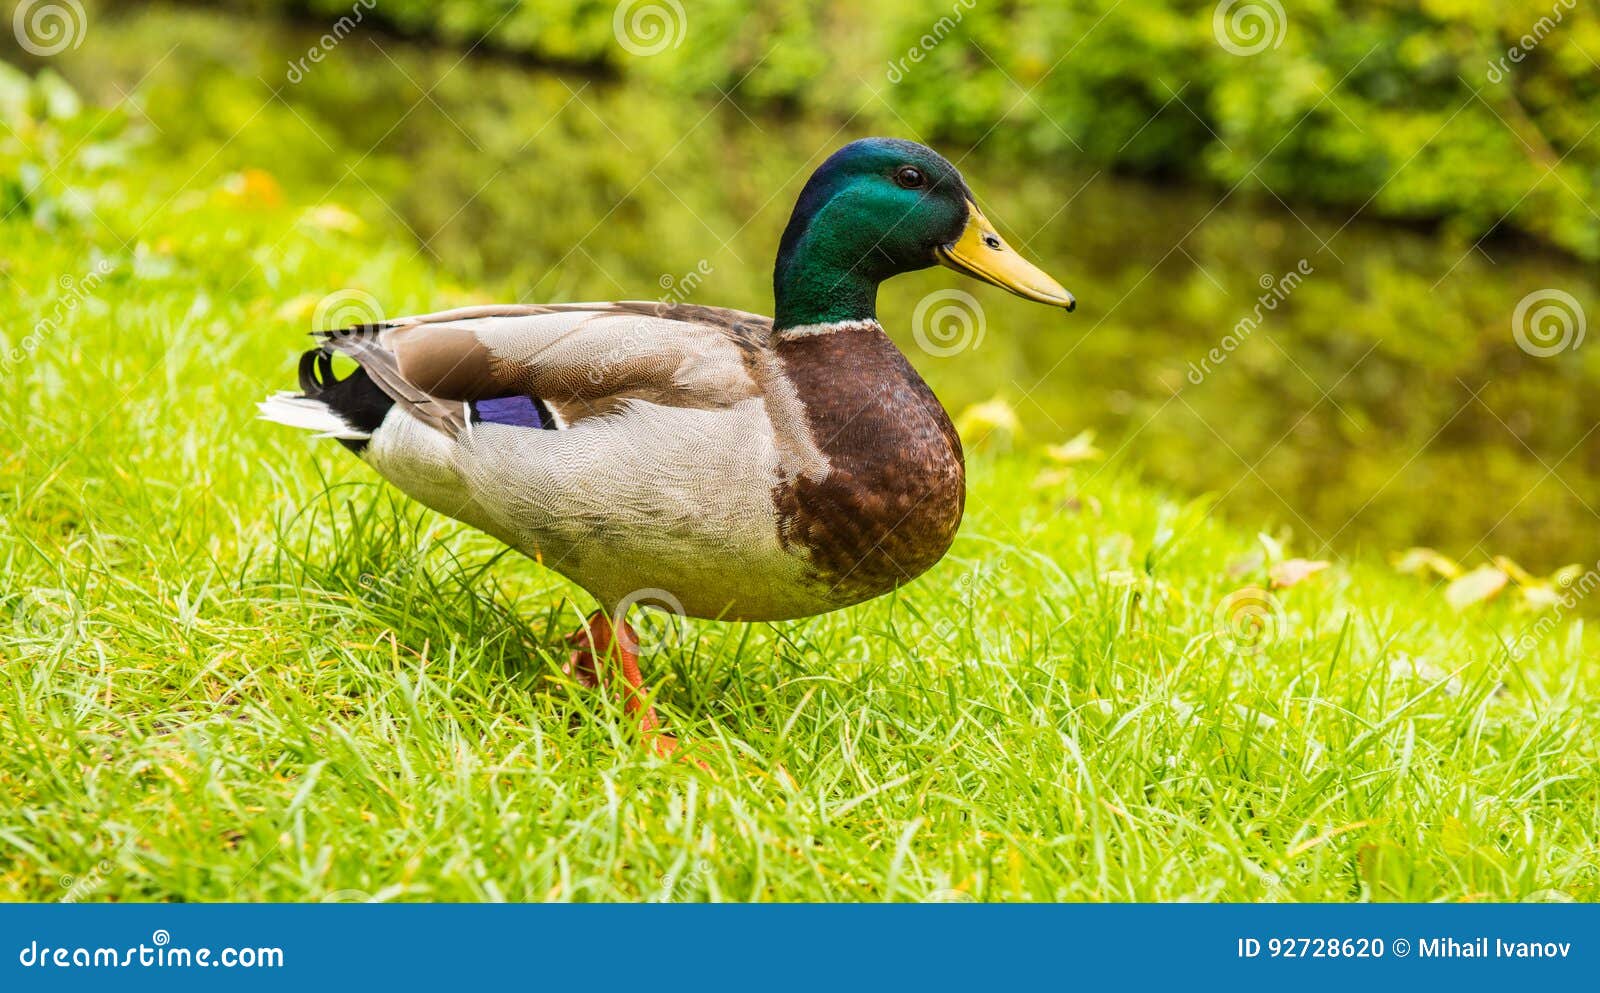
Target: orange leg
[600,642]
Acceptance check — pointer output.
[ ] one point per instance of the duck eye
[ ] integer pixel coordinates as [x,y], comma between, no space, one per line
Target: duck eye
[910,177]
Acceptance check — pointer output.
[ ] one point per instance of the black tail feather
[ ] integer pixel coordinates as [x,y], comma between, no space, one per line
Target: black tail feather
[356,398]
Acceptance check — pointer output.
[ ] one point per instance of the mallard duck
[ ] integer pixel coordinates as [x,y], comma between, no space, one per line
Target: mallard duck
[731,466]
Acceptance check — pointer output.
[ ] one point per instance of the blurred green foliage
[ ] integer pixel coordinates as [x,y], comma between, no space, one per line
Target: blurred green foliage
[1388,378]
[1479,114]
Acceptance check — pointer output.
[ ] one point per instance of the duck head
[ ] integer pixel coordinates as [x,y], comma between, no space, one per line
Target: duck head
[879,207]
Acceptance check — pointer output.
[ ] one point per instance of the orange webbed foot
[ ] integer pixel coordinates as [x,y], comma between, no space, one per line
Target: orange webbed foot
[598,645]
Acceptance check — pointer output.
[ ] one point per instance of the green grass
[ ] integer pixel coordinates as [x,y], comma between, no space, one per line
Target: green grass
[234,666]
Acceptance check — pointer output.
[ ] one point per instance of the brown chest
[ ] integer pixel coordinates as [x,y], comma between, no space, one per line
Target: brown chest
[891,501]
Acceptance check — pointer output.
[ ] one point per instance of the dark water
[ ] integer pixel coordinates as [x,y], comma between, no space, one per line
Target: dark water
[1357,384]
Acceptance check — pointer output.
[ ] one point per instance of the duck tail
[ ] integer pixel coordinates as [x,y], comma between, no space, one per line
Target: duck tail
[348,410]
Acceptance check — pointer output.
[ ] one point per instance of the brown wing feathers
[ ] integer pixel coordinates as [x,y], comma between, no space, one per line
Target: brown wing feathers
[434,366]
[382,368]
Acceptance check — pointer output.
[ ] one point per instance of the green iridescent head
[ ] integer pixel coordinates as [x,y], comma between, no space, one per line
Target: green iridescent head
[879,207]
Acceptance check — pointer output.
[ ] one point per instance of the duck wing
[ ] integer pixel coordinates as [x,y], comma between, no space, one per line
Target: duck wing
[576,360]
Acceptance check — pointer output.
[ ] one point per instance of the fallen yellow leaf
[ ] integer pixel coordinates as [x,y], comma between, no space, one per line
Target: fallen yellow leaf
[1518,574]
[983,420]
[1482,583]
[1292,572]
[1540,596]
[298,309]
[1079,448]
[332,217]
[1415,561]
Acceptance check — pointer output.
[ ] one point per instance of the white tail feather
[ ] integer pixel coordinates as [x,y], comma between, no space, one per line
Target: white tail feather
[312,415]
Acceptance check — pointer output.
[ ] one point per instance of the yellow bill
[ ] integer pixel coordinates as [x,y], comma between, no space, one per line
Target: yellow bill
[980,252]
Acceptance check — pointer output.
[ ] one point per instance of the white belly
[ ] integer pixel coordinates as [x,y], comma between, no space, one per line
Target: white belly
[646,501]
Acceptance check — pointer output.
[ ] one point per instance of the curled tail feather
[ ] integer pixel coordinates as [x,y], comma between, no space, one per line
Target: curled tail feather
[348,410]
